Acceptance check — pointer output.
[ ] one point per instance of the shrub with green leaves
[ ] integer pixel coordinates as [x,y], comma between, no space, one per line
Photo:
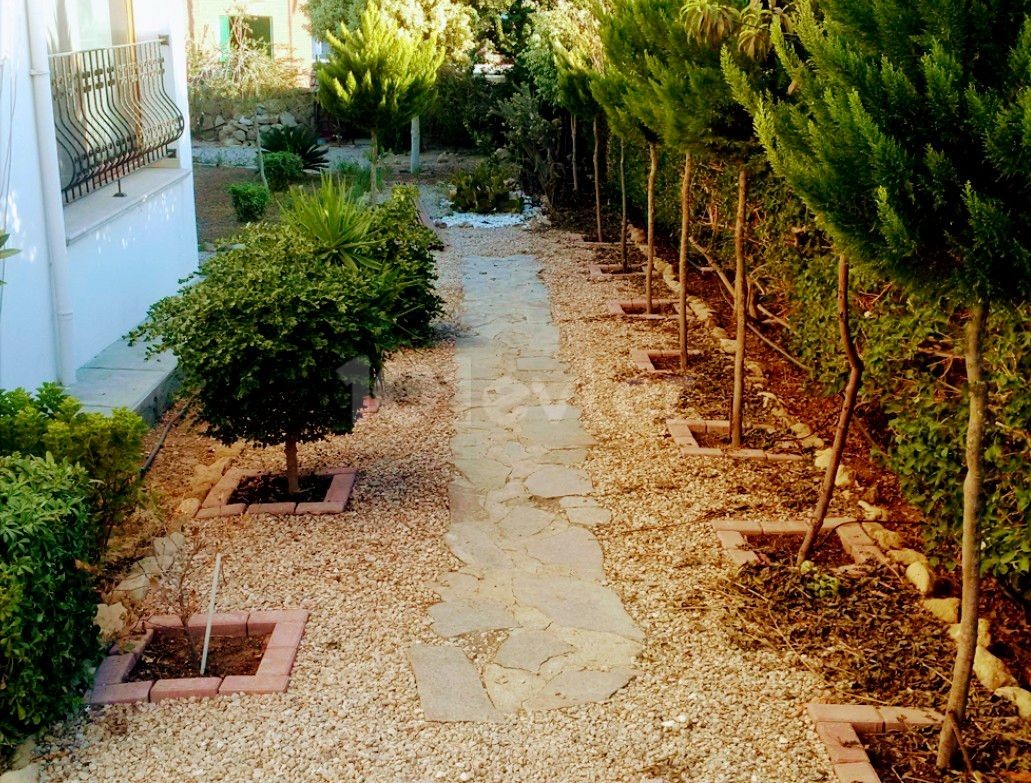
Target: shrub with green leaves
[108,448]
[356,177]
[282,169]
[269,337]
[486,188]
[301,141]
[250,200]
[48,643]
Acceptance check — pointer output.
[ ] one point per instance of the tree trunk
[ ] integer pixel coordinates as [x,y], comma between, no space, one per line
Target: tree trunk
[653,170]
[576,173]
[415,155]
[848,407]
[597,179]
[737,400]
[292,481]
[373,159]
[973,502]
[685,227]
[623,254]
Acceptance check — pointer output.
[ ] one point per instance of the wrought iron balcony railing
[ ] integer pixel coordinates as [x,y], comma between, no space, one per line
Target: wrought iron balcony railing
[112,114]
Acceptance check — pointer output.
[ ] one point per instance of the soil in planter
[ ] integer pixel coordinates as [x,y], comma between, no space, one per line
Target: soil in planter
[169,656]
[658,308]
[272,488]
[829,553]
[999,750]
[774,441]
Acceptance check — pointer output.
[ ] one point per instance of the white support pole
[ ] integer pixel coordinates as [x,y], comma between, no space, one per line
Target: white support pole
[211,612]
[415,158]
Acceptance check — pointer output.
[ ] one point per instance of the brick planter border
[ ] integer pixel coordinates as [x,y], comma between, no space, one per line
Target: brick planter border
[285,626]
[683,432]
[854,540]
[601,272]
[370,405]
[216,503]
[839,727]
[634,308]
[644,360]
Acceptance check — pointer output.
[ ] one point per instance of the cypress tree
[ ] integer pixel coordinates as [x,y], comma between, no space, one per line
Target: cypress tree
[906,134]
[378,74]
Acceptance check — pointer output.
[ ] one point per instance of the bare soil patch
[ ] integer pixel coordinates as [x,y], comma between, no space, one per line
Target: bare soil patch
[171,655]
[272,488]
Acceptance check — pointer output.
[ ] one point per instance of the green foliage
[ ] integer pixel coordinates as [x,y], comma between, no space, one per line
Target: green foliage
[463,111]
[106,447]
[6,252]
[531,138]
[485,188]
[48,642]
[355,176]
[264,336]
[250,200]
[301,141]
[282,169]
[378,72]
[817,582]
[333,218]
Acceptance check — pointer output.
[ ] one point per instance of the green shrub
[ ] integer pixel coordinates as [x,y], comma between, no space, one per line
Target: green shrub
[250,200]
[463,111]
[48,642]
[485,189]
[106,447]
[282,169]
[266,336]
[333,217]
[356,177]
[300,140]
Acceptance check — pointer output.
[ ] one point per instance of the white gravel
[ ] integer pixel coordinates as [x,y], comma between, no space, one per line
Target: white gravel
[702,710]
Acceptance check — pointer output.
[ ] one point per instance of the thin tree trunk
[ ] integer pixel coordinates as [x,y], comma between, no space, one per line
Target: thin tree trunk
[415,154]
[848,407]
[653,169]
[292,481]
[576,173]
[623,254]
[597,178]
[373,160]
[973,506]
[685,228]
[737,400]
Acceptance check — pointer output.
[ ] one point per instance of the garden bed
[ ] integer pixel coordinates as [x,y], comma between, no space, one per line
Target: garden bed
[241,492]
[710,438]
[636,308]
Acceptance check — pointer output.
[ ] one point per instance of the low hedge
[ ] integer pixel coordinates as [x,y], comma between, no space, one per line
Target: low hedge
[913,350]
[48,643]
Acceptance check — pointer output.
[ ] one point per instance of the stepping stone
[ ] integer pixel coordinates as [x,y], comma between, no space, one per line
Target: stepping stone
[576,603]
[589,515]
[574,550]
[449,685]
[580,687]
[528,649]
[564,434]
[558,481]
[483,473]
[540,363]
[472,544]
[510,688]
[526,521]
[454,618]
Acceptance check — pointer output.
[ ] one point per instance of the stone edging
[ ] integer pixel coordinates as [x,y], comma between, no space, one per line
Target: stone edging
[286,627]
[683,432]
[215,504]
[635,308]
[601,272]
[854,539]
[644,360]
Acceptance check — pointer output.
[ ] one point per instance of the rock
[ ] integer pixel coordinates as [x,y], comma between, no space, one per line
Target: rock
[178,539]
[945,609]
[844,477]
[571,688]
[822,459]
[1019,697]
[886,539]
[920,575]
[558,481]
[589,515]
[870,494]
[28,774]
[984,632]
[449,685]
[229,452]
[189,506]
[134,589]
[990,671]
[528,649]
[875,514]
[245,122]
[240,135]
[23,754]
[110,619]
[287,119]
[155,565]
[907,556]
[454,618]
[801,430]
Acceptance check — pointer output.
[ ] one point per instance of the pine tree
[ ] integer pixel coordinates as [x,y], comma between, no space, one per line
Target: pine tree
[906,134]
[378,74]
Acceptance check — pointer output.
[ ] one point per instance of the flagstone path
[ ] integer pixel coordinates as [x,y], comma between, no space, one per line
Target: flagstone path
[531,598]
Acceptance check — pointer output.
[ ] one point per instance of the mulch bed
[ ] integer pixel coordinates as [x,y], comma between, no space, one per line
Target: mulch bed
[829,553]
[170,656]
[751,438]
[272,488]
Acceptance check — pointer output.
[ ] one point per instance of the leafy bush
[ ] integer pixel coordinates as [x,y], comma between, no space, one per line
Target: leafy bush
[486,188]
[106,447]
[250,200]
[267,336]
[301,141]
[463,110]
[356,177]
[532,139]
[333,218]
[282,169]
[48,642]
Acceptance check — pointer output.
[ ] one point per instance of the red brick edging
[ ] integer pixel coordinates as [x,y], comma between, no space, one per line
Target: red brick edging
[839,727]
[683,432]
[215,504]
[854,540]
[635,308]
[286,627]
[644,360]
[601,272]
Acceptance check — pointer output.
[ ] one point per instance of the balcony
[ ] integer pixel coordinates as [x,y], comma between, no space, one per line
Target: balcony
[112,114]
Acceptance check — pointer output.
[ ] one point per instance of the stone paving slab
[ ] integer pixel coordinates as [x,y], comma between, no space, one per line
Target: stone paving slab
[521,513]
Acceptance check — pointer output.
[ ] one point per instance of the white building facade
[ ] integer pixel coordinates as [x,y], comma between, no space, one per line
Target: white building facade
[96,181]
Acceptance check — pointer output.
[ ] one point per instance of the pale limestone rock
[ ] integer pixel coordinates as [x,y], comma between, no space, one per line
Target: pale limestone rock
[529,649]
[111,620]
[888,539]
[454,618]
[580,687]
[27,774]
[525,521]
[134,589]
[984,632]
[558,481]
[510,688]
[23,754]
[844,477]
[589,515]
[907,557]
[874,513]
[449,685]
[921,577]
[190,506]
[945,609]
[1018,696]
[990,671]
[822,459]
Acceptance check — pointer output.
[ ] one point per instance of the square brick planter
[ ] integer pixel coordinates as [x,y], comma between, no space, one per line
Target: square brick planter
[216,503]
[645,360]
[286,627]
[635,308]
[854,540]
[684,432]
[603,272]
[839,726]
[370,405]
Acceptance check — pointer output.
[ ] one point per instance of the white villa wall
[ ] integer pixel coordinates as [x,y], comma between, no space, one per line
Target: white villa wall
[121,258]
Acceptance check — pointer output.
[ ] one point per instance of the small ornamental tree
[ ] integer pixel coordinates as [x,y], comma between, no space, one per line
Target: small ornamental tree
[268,337]
[907,135]
[378,74]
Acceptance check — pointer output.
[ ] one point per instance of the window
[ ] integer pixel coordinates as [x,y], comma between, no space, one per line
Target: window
[254,30]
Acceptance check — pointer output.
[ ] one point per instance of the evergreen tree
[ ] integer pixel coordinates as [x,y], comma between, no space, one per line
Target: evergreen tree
[378,74]
[906,134]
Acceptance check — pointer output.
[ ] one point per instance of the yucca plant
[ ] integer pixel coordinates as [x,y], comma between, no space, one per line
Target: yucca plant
[333,216]
[301,141]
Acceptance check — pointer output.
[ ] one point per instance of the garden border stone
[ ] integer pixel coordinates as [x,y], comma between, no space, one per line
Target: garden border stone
[334,502]
[634,308]
[683,432]
[644,359]
[605,272]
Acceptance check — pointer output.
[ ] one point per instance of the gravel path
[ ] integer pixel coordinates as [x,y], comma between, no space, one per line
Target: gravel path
[700,709]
